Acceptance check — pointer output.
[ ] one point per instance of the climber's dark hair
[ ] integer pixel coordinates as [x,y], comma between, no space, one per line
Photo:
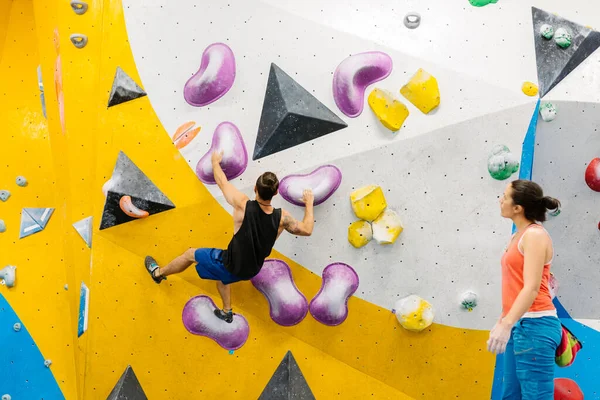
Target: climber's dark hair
[530,196]
[267,185]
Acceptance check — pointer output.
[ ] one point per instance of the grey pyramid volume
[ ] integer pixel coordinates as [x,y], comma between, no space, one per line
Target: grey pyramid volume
[553,62]
[287,383]
[128,387]
[291,116]
[124,89]
[128,180]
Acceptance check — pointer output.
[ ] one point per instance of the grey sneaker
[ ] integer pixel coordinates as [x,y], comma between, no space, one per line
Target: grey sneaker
[151,266]
[226,316]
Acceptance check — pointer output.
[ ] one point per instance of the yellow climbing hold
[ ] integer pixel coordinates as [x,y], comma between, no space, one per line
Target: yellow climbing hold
[387,227]
[414,313]
[368,202]
[530,89]
[391,112]
[359,233]
[422,90]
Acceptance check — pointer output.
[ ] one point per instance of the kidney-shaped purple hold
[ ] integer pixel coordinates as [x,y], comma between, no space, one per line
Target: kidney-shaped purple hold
[352,77]
[330,305]
[199,319]
[214,78]
[287,304]
[228,139]
[323,181]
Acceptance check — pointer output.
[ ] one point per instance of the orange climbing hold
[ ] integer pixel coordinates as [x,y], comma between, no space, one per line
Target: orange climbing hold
[130,209]
[185,134]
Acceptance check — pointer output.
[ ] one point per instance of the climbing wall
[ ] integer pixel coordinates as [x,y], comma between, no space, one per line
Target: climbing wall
[137,94]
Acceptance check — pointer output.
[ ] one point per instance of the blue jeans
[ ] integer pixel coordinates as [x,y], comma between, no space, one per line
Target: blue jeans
[529,359]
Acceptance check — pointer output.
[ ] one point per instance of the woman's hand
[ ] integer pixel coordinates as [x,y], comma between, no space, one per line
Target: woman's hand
[499,336]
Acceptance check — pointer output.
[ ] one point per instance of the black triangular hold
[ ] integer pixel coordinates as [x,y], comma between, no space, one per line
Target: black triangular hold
[128,387]
[129,179]
[291,116]
[124,89]
[287,383]
[553,62]
[113,215]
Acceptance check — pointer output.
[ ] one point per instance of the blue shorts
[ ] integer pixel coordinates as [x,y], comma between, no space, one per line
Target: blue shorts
[210,266]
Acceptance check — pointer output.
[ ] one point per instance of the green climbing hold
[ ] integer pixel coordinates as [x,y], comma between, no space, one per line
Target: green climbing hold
[563,38]
[481,3]
[502,163]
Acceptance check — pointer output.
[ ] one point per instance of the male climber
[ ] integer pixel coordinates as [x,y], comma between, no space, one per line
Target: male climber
[256,226]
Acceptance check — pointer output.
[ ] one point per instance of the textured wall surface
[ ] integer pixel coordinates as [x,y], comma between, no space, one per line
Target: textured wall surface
[433,173]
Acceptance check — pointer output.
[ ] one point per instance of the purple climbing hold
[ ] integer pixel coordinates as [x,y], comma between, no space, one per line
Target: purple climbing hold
[214,78]
[228,139]
[330,305]
[323,181]
[199,319]
[287,304]
[352,77]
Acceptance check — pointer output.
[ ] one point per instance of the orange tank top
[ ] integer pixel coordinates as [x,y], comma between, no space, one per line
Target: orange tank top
[513,262]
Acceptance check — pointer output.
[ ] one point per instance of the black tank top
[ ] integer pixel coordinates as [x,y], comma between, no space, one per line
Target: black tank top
[253,242]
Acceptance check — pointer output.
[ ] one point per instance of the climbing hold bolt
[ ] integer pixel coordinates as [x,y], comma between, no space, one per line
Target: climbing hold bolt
[4,195]
[80,7]
[17,327]
[47,363]
[79,40]
[21,181]
[412,20]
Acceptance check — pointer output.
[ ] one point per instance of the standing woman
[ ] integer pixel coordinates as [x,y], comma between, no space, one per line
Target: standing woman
[528,329]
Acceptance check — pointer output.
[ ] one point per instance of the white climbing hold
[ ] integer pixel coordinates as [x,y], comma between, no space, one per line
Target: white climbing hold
[387,227]
[412,20]
[21,181]
[66,287]
[548,112]
[8,275]
[547,31]
[2,226]
[6,397]
[414,313]
[4,195]
[17,327]
[469,301]
[47,363]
